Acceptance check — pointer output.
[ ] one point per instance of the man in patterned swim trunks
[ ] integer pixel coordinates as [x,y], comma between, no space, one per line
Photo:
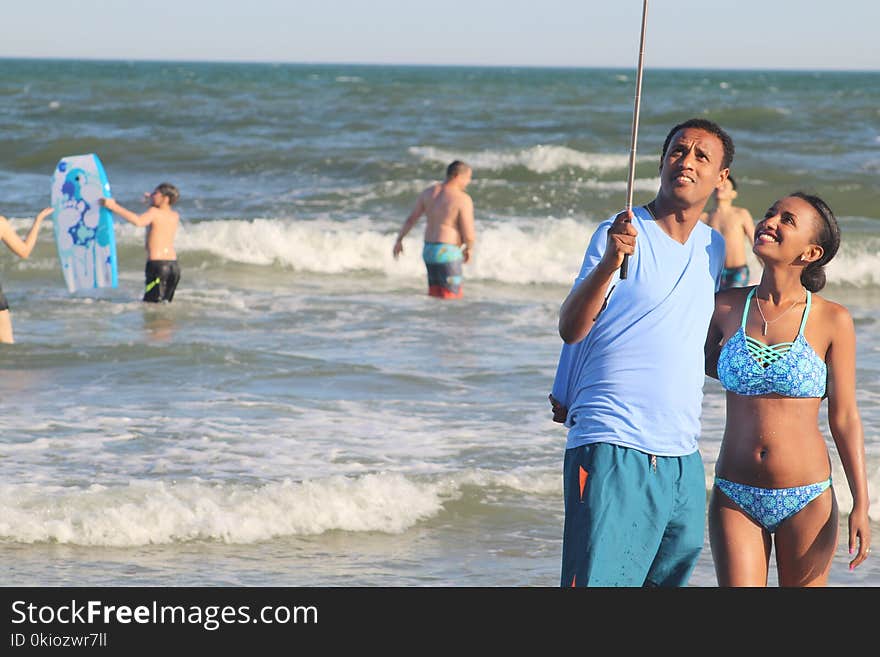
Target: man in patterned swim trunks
[450,232]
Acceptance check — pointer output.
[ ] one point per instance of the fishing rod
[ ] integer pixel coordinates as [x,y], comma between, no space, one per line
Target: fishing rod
[635,128]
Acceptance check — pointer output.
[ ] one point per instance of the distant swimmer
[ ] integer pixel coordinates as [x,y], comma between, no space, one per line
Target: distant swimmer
[450,233]
[22,248]
[735,225]
[162,272]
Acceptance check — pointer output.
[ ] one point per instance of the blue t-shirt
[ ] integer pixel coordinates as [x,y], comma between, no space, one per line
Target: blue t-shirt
[637,378]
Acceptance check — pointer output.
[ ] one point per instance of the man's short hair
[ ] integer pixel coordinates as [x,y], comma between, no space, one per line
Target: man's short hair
[169,191]
[710,127]
[456,168]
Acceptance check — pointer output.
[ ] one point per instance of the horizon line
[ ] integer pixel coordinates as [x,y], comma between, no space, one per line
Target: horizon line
[432,65]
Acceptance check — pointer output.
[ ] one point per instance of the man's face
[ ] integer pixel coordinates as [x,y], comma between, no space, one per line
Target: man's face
[691,168]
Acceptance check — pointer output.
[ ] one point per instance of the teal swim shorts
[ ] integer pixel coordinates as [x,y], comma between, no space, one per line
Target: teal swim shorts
[631,519]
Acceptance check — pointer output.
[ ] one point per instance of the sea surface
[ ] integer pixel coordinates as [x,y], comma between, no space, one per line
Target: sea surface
[303,414]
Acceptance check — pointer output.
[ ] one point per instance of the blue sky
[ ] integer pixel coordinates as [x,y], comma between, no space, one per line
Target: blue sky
[774,34]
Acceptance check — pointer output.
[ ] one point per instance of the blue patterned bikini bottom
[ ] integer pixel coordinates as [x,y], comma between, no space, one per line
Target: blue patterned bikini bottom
[770,506]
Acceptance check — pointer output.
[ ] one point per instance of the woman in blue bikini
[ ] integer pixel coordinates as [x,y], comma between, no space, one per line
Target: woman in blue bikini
[778,350]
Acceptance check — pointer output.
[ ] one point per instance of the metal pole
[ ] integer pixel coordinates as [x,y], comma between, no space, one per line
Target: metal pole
[635,128]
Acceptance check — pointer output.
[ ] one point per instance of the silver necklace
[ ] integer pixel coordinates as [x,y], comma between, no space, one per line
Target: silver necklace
[764,328]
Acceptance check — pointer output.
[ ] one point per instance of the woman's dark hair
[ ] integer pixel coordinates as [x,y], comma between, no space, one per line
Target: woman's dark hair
[828,237]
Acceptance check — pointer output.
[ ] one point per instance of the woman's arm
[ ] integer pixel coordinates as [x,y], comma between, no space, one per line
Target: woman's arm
[846,426]
[22,247]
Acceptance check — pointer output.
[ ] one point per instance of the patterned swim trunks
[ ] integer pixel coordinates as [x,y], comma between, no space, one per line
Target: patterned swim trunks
[734,277]
[444,265]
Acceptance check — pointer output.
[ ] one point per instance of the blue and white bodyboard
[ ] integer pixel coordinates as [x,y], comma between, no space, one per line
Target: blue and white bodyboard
[83,227]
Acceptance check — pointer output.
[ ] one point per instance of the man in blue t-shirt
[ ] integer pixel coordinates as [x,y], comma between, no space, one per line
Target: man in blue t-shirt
[629,380]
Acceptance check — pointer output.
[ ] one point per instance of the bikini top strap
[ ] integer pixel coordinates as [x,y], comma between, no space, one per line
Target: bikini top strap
[746,307]
[806,312]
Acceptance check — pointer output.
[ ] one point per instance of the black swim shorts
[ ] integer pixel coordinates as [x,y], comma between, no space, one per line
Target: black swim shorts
[161,278]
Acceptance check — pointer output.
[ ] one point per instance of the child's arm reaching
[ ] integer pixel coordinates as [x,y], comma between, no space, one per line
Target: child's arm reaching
[128,215]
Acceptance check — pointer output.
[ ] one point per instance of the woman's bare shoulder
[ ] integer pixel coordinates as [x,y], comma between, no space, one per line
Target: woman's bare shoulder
[835,315]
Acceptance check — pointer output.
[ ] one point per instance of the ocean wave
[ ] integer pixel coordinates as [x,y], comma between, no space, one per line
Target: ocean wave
[545,250]
[147,513]
[540,159]
[519,250]
[157,512]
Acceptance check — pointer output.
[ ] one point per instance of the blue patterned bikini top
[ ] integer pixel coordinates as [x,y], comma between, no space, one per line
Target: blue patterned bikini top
[747,366]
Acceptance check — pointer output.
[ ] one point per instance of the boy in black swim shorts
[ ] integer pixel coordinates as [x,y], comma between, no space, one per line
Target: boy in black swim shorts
[162,271]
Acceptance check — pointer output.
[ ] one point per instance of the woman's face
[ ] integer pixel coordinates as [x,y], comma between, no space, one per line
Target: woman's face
[788,229]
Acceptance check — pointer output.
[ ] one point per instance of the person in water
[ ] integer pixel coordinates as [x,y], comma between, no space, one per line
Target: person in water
[22,248]
[779,349]
[738,229]
[162,271]
[449,234]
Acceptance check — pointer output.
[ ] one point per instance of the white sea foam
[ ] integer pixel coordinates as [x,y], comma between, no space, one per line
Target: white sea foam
[149,512]
[510,249]
[157,512]
[540,159]
[639,185]
[516,250]
[541,251]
